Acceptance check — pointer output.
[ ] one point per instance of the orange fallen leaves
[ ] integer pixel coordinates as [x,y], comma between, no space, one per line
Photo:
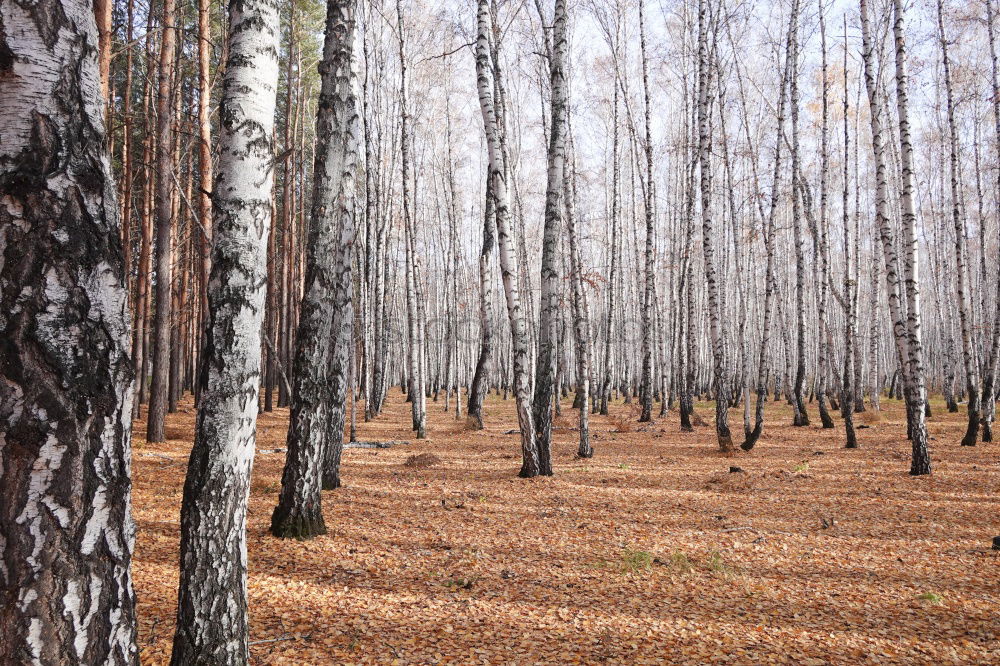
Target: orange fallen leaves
[650,552]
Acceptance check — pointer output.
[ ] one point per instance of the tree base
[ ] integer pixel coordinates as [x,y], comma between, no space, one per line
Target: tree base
[297,526]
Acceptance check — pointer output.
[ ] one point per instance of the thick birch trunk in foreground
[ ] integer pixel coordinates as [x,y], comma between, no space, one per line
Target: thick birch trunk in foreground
[545,368]
[299,513]
[66,530]
[498,190]
[212,624]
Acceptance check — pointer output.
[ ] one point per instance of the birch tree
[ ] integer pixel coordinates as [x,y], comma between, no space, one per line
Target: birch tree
[958,220]
[66,530]
[299,512]
[719,384]
[212,623]
[545,364]
[497,189]
[649,291]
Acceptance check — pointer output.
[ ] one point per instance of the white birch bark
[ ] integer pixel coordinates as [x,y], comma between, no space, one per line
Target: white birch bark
[545,364]
[212,622]
[66,530]
[916,397]
[705,78]
[498,190]
[961,254]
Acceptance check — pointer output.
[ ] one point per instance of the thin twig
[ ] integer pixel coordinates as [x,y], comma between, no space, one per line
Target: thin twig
[292,637]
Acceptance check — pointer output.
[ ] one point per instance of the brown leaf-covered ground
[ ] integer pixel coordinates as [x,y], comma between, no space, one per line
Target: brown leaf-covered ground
[650,552]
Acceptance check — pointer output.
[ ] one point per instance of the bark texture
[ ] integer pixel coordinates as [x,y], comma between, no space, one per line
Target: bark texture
[66,530]
[159,389]
[212,623]
[498,191]
[299,513]
[545,363]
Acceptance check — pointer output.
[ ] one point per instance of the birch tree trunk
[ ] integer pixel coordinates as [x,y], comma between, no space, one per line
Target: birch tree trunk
[990,383]
[750,438]
[958,219]
[914,375]
[299,513]
[479,387]
[822,241]
[850,285]
[648,298]
[613,251]
[581,311]
[415,350]
[212,623]
[339,117]
[498,190]
[66,530]
[801,417]
[545,364]
[720,387]
[892,272]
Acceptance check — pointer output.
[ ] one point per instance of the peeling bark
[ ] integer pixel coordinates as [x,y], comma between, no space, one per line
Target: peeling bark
[66,530]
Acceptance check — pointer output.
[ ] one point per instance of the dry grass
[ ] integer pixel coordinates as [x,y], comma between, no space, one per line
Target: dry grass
[650,552]
[869,416]
[422,460]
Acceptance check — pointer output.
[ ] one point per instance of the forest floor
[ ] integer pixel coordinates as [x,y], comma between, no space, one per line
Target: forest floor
[650,552]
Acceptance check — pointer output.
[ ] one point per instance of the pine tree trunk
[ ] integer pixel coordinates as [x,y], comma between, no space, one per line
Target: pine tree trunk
[66,530]
[164,257]
[212,623]
[205,168]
